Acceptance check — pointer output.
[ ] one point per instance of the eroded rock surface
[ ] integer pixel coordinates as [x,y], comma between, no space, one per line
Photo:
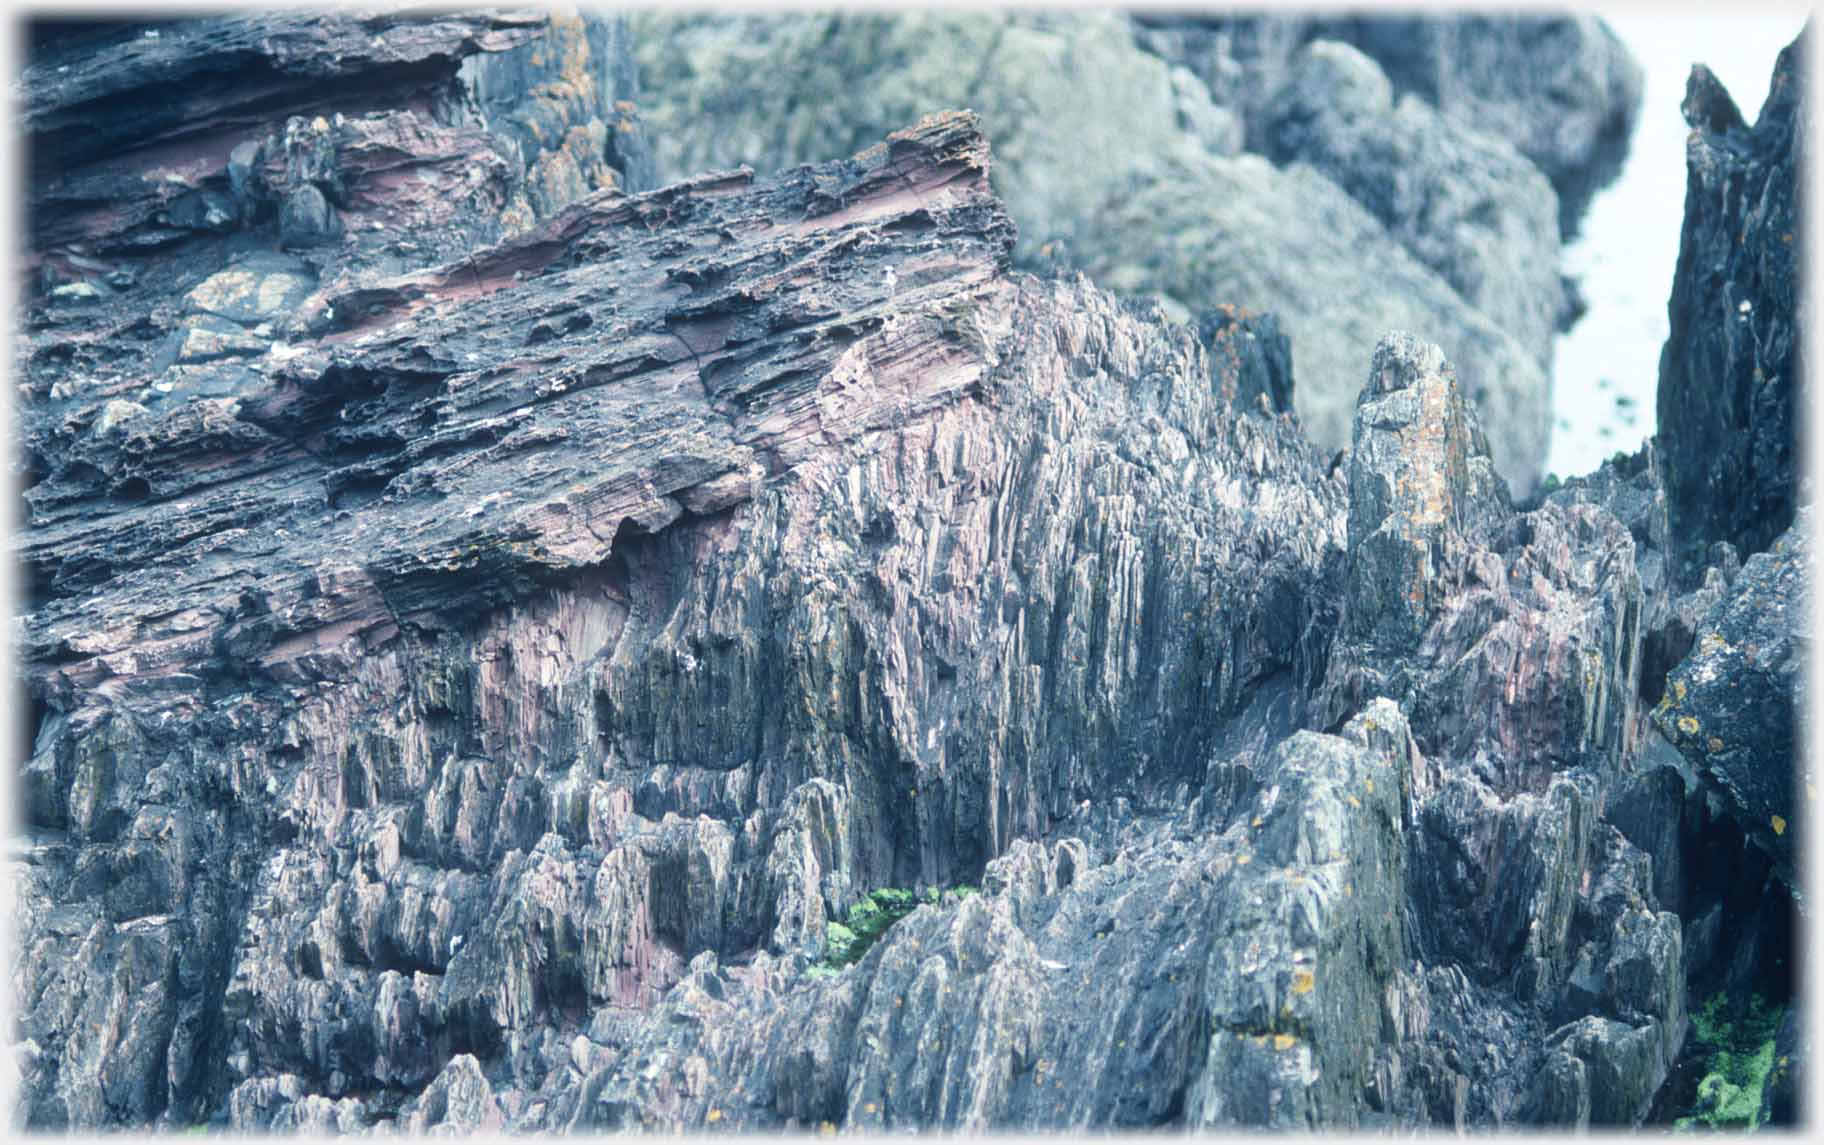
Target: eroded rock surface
[475,655]
[1730,373]
[1129,171]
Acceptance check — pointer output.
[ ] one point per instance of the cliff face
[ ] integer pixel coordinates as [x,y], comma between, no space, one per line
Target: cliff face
[1730,370]
[488,628]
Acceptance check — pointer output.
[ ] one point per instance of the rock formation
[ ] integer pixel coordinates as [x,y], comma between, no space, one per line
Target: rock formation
[1729,374]
[1560,87]
[489,621]
[1117,148]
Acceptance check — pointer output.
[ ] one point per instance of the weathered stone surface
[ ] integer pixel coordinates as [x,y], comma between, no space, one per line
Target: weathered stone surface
[1122,176]
[1467,205]
[472,664]
[1078,113]
[1243,232]
[1250,360]
[1732,369]
[1734,706]
[1560,87]
[142,135]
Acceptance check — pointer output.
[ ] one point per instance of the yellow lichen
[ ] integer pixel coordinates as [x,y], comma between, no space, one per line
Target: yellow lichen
[1243,860]
[1779,825]
[1715,744]
[1688,725]
[1678,690]
[1370,784]
[1284,1041]
[1303,981]
[713,1116]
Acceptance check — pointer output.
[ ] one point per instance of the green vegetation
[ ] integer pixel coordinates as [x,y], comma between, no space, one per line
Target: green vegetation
[1551,484]
[1741,1055]
[845,942]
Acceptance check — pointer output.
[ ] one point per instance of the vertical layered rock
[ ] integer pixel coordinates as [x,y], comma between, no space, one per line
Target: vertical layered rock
[1410,463]
[1513,641]
[474,659]
[1242,232]
[566,108]
[1733,367]
[1250,359]
[1734,706]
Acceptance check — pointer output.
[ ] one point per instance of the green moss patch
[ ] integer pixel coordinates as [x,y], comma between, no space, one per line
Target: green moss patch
[1739,1043]
[847,941]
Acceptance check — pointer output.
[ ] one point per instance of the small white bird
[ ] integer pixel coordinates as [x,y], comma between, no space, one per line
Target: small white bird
[892,282]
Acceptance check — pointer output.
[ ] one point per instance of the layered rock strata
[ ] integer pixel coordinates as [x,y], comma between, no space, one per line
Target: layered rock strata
[472,662]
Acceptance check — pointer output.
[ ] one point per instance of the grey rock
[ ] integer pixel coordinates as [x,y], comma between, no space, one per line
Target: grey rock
[1560,87]
[1618,1067]
[1467,205]
[1733,706]
[1250,360]
[1124,174]
[474,712]
[567,105]
[1077,111]
[459,1101]
[121,167]
[1783,1103]
[1732,370]
[1243,232]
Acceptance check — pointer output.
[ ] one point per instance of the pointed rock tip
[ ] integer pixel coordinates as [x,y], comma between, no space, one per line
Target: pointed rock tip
[1707,105]
[1400,360]
[948,136]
